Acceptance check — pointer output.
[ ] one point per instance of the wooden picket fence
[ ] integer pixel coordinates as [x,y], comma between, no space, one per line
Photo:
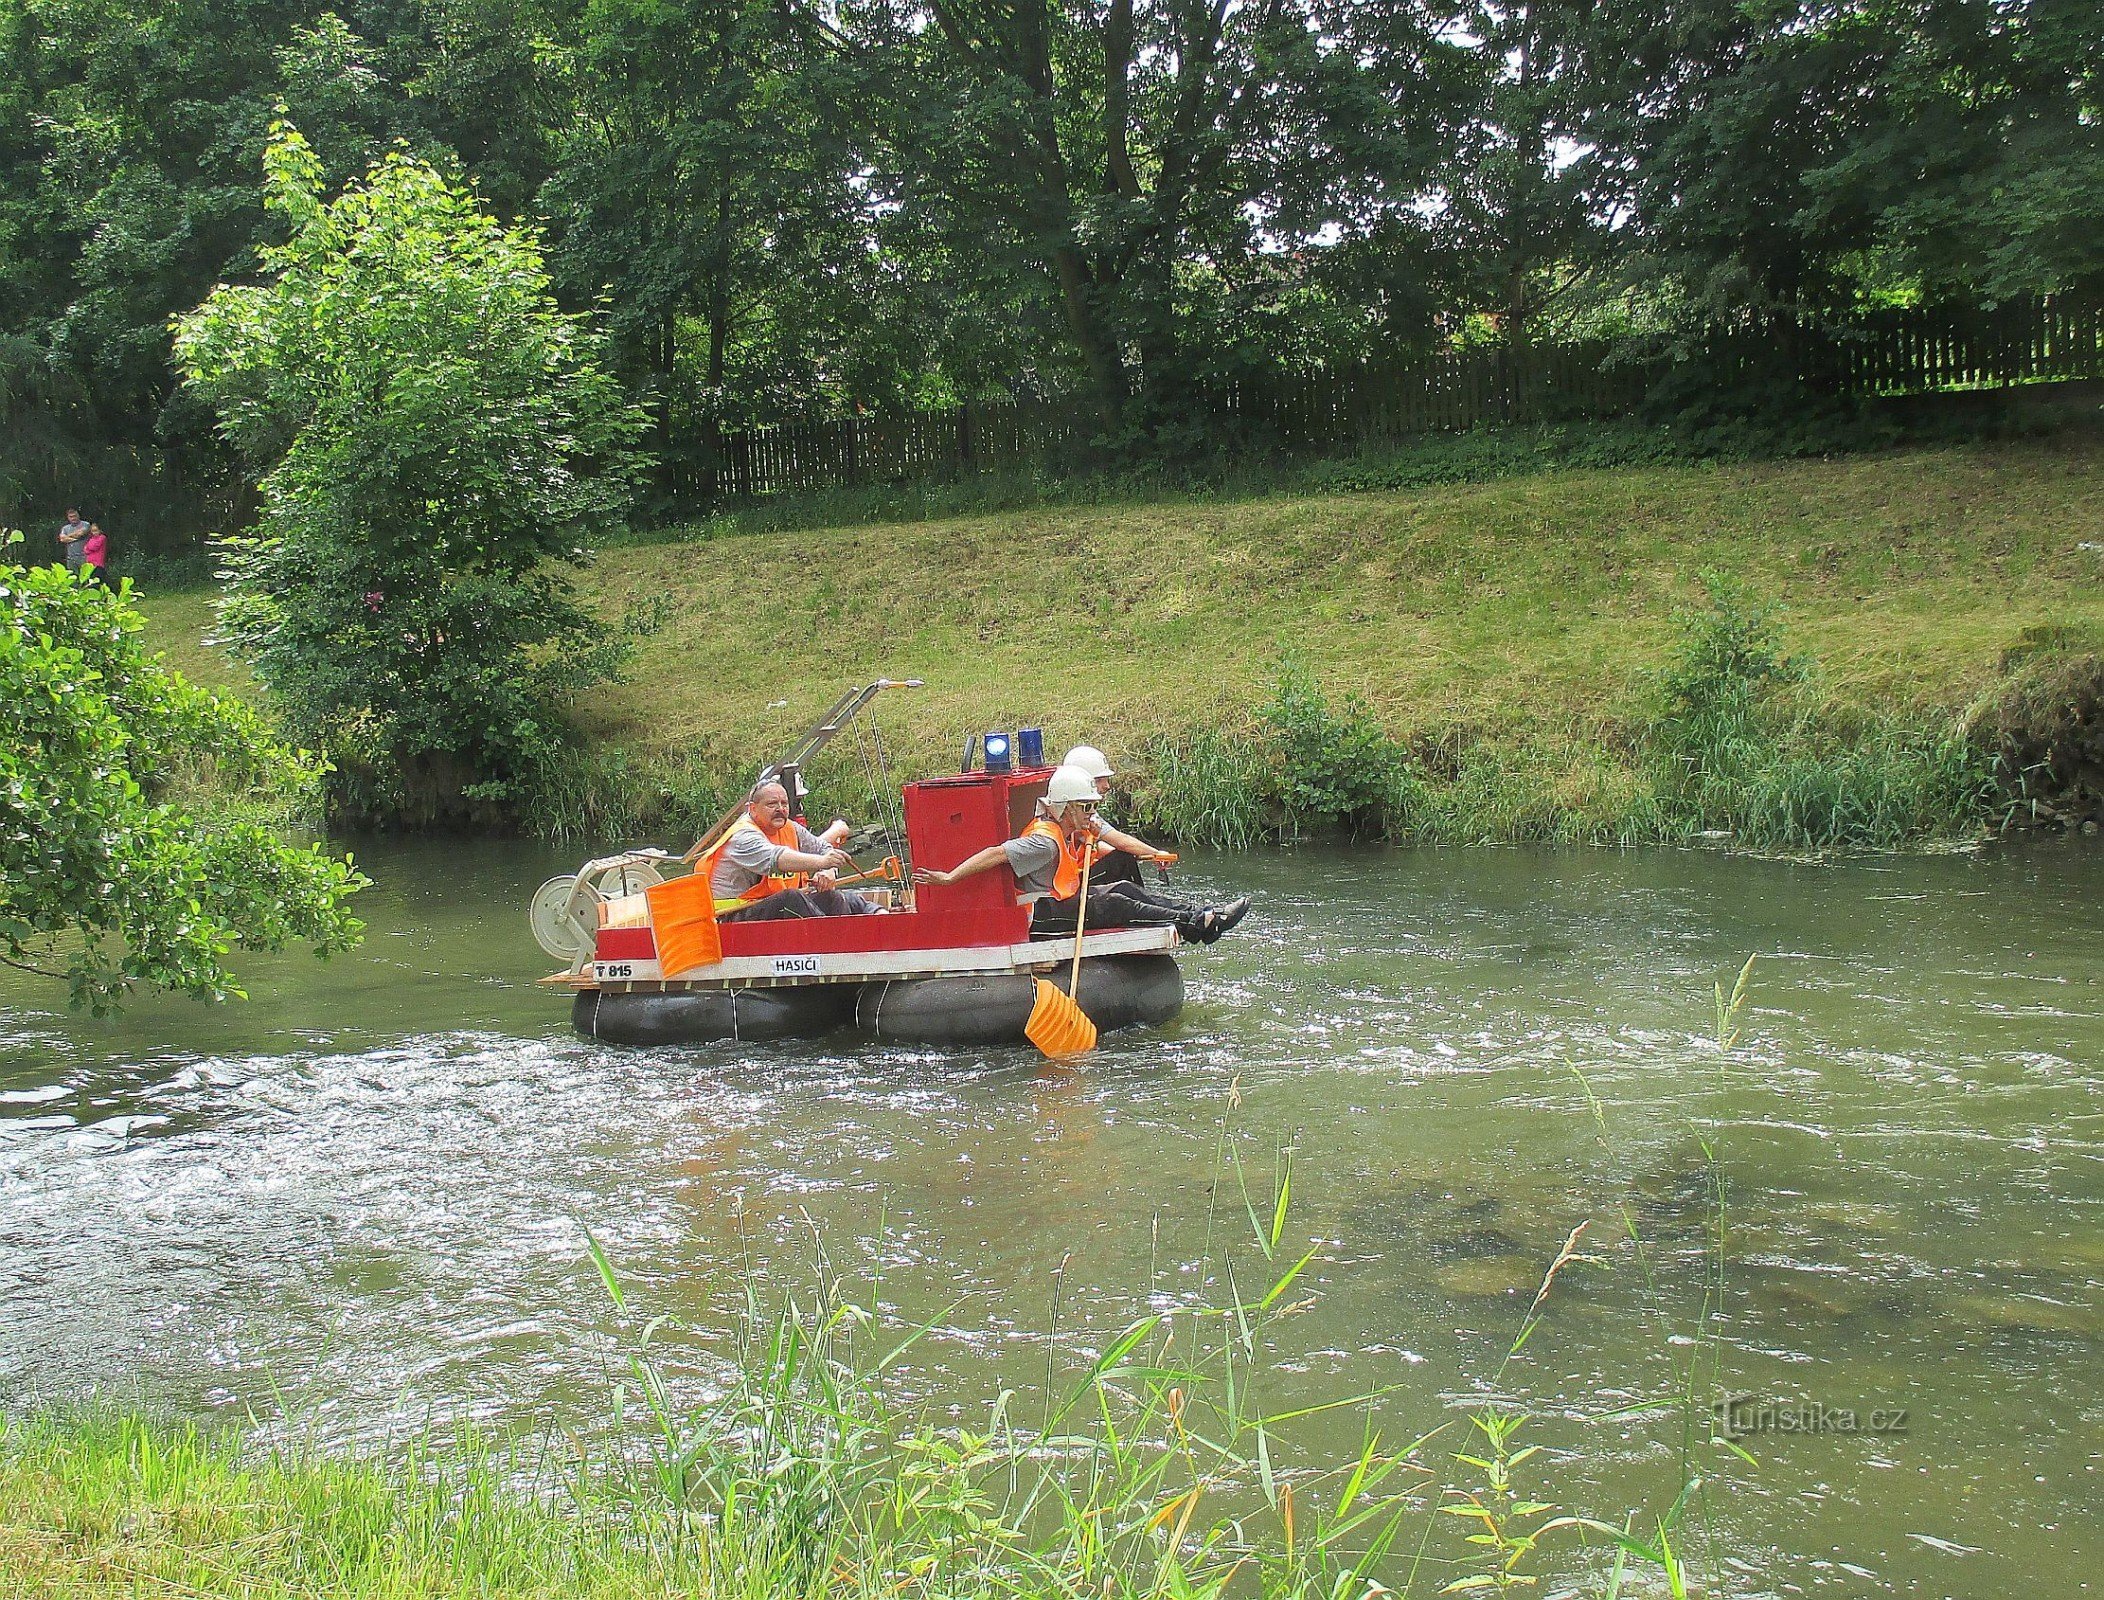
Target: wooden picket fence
[1338,408]
[1888,352]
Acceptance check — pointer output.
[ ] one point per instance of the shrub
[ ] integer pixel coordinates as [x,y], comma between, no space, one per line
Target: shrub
[1304,766]
[439,441]
[1333,768]
[1743,745]
[1728,657]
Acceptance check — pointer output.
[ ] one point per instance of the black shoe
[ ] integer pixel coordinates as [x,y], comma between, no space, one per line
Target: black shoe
[1229,915]
[1201,927]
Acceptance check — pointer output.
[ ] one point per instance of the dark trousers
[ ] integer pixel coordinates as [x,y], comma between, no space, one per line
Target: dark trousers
[1119,866]
[1114,905]
[803,903]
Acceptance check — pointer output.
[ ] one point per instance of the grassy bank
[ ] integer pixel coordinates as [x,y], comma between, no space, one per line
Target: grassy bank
[1510,637]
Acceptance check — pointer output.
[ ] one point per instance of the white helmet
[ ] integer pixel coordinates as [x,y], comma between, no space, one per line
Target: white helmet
[1069,783]
[1090,760]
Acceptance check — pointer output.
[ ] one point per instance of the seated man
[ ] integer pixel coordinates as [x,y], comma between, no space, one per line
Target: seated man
[1118,855]
[767,866]
[1046,858]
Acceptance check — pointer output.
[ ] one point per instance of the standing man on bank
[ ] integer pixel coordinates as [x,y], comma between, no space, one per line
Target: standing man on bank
[72,535]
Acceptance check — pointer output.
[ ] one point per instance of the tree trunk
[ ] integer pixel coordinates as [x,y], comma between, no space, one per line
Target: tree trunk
[719,342]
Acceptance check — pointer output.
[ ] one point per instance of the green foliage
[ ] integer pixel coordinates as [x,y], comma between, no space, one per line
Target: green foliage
[1305,766]
[1740,744]
[1729,658]
[1333,767]
[616,793]
[440,441]
[1208,787]
[1800,157]
[1740,753]
[104,881]
[1166,1468]
[795,211]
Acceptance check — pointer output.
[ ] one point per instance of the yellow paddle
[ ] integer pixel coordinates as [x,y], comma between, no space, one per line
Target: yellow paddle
[1058,1026]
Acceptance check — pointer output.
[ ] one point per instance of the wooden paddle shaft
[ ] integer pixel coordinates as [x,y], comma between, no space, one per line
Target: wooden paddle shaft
[1081,918]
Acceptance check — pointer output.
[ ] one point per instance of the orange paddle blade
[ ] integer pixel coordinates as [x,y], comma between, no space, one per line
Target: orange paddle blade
[1057,1025]
[683,922]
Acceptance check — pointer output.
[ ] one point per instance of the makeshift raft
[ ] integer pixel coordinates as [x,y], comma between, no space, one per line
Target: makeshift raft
[948,965]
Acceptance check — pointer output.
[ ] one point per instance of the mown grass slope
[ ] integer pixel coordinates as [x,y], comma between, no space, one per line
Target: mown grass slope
[1525,617]
[1536,601]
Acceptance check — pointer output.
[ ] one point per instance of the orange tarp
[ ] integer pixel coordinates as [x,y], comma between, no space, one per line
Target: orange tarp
[683,922]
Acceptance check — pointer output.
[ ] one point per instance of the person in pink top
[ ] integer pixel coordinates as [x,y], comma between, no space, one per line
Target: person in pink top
[95,556]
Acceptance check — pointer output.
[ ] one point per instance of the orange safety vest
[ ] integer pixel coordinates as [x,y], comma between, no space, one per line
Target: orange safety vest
[1066,878]
[766,886]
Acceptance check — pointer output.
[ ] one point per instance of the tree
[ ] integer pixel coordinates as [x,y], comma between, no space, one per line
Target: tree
[439,442]
[1793,153]
[701,191]
[106,881]
[1529,204]
[1137,155]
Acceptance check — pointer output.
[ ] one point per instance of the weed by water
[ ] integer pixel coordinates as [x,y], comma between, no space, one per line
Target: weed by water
[1162,1470]
[617,794]
[1158,1472]
[1740,742]
[1206,786]
[1334,767]
[1301,765]
[1744,746]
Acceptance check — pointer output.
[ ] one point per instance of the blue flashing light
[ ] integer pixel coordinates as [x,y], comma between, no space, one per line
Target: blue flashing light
[1030,747]
[998,754]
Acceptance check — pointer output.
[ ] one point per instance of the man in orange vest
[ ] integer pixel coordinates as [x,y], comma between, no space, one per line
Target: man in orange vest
[1118,855]
[769,866]
[1046,859]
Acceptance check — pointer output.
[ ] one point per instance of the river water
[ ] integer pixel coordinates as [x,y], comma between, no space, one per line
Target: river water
[360,1199]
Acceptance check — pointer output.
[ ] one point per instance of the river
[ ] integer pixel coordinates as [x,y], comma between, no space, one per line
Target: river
[359,1200]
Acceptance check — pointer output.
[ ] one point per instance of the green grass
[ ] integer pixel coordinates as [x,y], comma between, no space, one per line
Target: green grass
[1509,632]
[107,1503]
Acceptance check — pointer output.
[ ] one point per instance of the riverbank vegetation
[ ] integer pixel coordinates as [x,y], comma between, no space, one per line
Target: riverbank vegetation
[1896,647]
[405,595]
[1532,658]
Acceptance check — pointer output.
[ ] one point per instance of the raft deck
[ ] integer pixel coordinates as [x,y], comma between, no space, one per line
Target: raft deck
[825,950]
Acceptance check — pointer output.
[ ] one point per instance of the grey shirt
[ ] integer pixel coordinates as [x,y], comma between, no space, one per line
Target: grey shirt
[75,547]
[751,856]
[1034,859]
